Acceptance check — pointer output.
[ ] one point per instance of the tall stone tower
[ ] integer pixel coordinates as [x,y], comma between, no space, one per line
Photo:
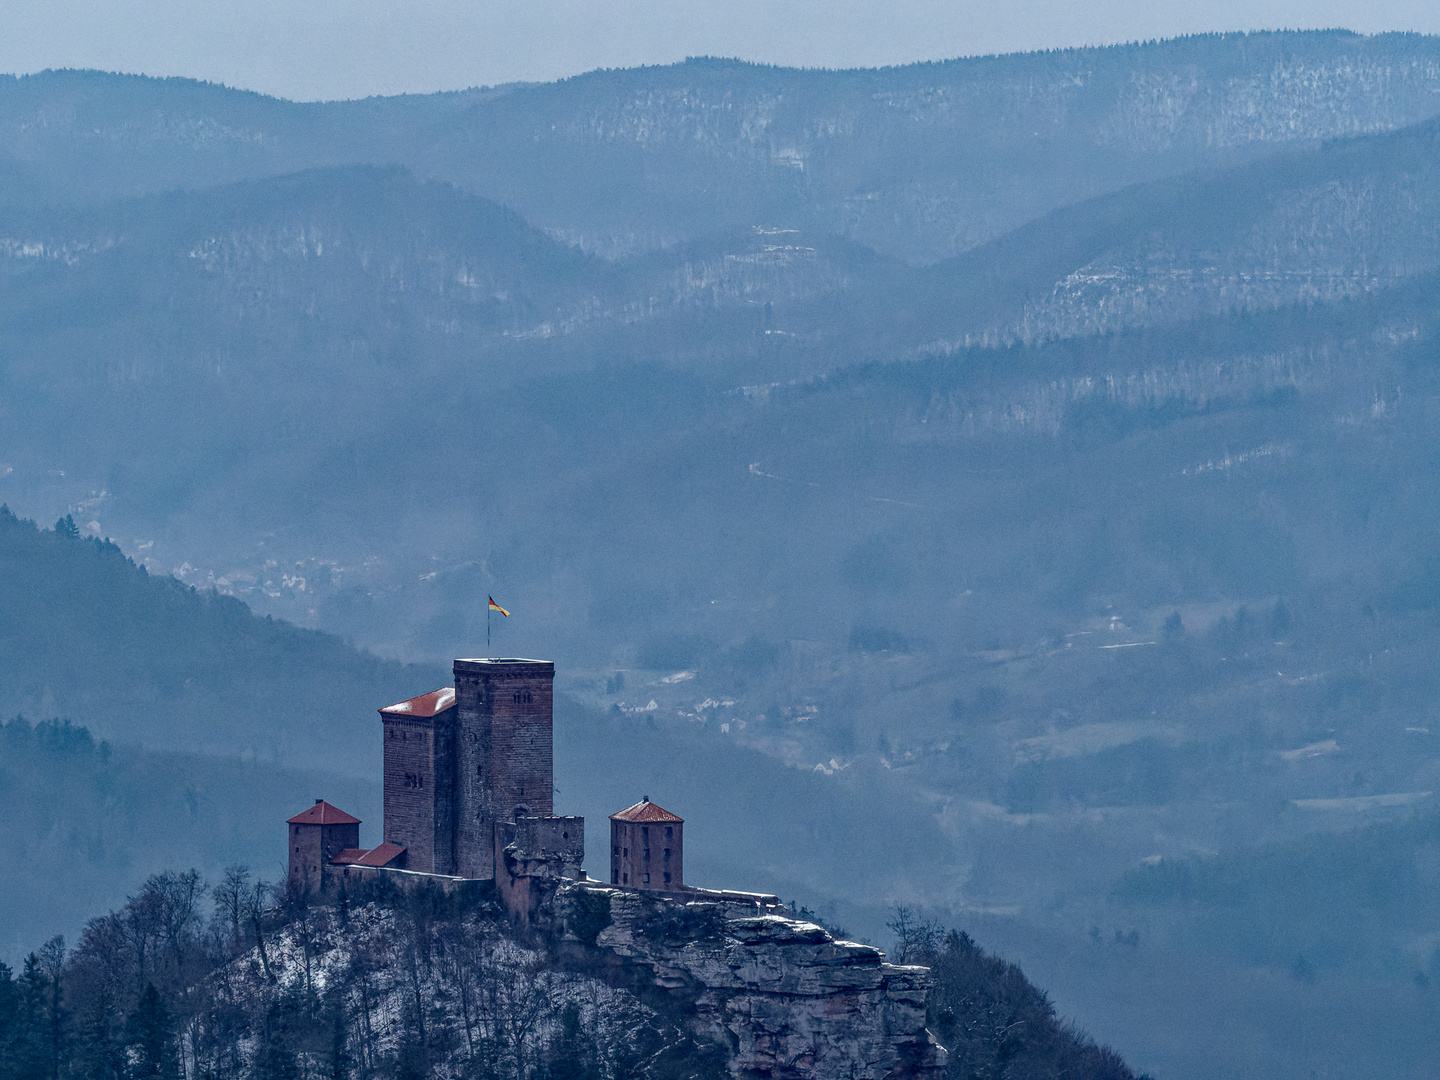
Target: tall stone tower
[504,753]
[420,780]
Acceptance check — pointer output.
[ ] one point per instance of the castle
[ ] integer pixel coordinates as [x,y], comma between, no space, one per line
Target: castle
[469,780]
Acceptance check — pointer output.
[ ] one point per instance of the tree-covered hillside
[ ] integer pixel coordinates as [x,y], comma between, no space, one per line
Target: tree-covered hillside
[86,633]
[83,822]
[234,981]
[921,161]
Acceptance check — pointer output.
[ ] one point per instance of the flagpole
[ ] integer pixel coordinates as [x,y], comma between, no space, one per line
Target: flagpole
[487,627]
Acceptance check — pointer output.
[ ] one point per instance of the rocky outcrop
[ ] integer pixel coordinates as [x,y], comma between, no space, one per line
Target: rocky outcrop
[780,998]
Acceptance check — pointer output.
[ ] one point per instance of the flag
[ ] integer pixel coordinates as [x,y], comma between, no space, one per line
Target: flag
[496,607]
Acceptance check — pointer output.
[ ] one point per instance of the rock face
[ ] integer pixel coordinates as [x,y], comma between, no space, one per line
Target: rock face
[780,998]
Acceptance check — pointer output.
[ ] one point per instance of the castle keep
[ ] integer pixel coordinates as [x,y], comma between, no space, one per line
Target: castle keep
[461,760]
[469,781]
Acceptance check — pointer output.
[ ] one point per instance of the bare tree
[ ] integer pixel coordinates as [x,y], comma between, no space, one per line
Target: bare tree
[916,940]
[230,901]
[256,905]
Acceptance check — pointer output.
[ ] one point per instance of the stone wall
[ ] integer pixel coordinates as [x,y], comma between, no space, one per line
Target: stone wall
[644,857]
[311,849]
[781,998]
[533,857]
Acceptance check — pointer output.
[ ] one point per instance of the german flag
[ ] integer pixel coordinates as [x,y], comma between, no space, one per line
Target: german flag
[496,607]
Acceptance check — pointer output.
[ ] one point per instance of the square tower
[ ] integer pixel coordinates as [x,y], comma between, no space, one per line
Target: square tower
[504,753]
[420,780]
[317,835]
[647,847]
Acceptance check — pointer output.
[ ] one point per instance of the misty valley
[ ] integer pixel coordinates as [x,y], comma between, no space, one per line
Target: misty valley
[995,503]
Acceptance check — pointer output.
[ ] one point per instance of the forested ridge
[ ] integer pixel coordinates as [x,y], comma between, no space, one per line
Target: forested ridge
[86,633]
[237,980]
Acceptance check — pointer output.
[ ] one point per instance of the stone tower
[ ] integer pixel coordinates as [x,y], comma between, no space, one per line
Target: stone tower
[420,780]
[316,836]
[504,753]
[647,847]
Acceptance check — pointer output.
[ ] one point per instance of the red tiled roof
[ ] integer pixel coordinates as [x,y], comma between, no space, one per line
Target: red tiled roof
[383,855]
[645,810]
[431,704]
[322,813]
[348,856]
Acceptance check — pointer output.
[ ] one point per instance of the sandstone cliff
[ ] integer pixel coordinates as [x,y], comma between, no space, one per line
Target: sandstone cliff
[780,997]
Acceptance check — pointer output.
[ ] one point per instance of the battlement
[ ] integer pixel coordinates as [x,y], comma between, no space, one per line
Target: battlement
[505,666]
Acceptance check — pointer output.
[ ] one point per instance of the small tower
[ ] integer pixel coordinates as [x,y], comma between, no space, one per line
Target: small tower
[420,780]
[647,847]
[316,837]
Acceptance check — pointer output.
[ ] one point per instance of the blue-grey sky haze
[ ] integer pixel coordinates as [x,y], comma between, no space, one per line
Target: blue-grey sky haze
[315,49]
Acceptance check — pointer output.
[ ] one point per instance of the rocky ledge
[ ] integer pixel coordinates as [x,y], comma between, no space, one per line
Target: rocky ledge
[777,997]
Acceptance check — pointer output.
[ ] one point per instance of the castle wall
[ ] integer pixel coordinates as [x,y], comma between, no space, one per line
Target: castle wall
[504,753]
[419,789]
[533,856]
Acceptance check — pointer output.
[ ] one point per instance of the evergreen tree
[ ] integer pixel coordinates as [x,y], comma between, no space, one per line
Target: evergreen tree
[572,1053]
[11,1024]
[275,1057]
[33,1057]
[150,1041]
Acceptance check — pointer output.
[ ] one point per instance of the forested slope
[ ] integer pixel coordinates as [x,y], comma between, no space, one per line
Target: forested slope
[85,633]
[263,987]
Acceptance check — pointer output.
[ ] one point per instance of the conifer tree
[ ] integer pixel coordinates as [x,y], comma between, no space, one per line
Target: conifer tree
[150,1041]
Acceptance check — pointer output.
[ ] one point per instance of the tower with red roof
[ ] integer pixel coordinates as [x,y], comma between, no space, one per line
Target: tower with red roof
[419,774]
[647,847]
[316,836]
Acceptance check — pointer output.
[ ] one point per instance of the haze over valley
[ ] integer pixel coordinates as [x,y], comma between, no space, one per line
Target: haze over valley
[1003,487]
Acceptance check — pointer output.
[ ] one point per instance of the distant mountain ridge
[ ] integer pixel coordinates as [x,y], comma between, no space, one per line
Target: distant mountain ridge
[1014,472]
[900,159]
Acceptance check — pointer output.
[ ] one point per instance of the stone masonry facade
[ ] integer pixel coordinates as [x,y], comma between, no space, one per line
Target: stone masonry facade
[420,789]
[505,765]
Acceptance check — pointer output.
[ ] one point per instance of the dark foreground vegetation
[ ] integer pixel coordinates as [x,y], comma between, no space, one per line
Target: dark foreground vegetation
[991,1019]
[234,980]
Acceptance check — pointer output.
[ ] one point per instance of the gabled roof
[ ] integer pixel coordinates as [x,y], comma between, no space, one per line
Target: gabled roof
[322,813]
[383,855]
[426,705]
[645,810]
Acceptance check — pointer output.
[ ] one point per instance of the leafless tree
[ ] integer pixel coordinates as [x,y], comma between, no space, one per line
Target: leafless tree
[230,901]
[916,939]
